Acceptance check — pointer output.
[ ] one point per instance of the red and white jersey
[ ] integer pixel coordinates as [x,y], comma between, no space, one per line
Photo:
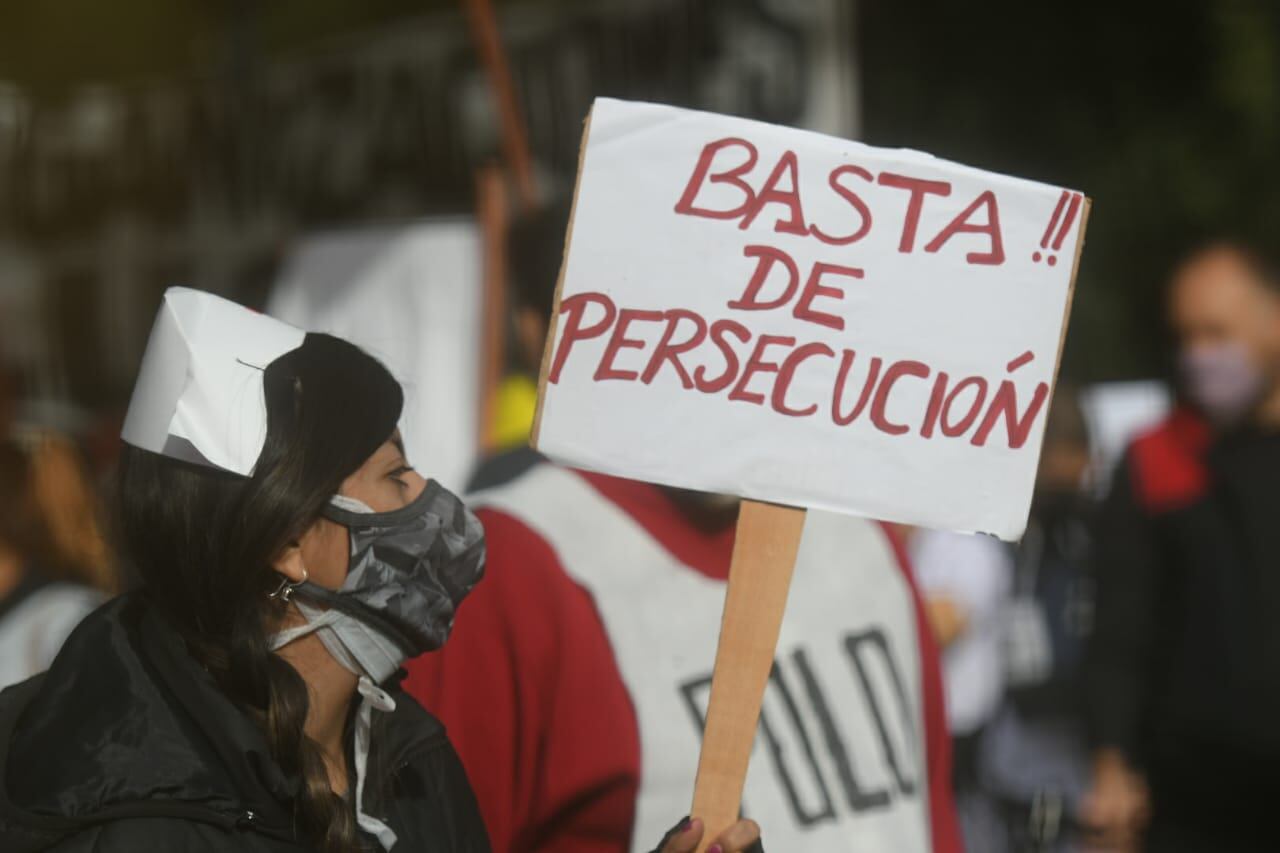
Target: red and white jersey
[576,683]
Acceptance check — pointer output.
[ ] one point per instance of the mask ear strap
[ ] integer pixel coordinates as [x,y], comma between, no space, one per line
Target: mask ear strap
[285,590]
[338,509]
[351,504]
[356,610]
[315,621]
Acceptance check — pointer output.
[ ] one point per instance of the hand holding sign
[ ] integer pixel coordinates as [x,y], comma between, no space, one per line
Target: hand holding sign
[806,321]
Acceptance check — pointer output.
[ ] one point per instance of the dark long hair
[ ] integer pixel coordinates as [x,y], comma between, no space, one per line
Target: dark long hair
[203,542]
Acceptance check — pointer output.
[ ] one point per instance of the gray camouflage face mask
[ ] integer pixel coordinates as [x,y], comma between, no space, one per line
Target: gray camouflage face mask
[409,568]
[408,571]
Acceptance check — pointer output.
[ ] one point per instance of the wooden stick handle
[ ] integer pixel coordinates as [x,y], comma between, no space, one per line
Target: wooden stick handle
[493,210]
[764,555]
[515,135]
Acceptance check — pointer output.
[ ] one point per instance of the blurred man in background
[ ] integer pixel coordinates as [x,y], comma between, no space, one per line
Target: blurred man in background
[535,248]
[1013,621]
[1034,758]
[966,581]
[1185,663]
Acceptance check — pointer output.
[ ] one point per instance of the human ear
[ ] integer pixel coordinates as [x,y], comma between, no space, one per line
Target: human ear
[290,563]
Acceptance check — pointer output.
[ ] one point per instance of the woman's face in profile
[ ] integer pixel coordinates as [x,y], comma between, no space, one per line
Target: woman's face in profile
[385,482]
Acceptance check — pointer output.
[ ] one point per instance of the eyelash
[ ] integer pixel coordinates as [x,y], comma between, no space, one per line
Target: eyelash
[400,472]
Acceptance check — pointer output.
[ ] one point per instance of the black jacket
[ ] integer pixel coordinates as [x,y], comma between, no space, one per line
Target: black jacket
[126,745]
[1185,664]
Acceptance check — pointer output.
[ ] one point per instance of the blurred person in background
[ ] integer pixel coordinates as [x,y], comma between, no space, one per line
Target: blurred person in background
[572,693]
[535,249]
[1184,672]
[966,580]
[1013,622]
[1033,761]
[54,567]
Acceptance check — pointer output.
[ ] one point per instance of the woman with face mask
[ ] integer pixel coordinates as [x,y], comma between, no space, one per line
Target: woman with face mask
[245,697]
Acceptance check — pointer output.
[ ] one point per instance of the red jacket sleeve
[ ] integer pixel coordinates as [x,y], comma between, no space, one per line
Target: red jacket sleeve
[944,826]
[529,691]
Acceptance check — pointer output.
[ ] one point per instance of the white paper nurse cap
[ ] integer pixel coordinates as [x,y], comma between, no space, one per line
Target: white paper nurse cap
[199,395]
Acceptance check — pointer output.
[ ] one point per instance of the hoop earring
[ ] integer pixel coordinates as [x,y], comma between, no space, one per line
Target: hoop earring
[285,591]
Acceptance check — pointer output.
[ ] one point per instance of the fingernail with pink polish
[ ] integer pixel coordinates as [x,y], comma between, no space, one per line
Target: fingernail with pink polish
[715,848]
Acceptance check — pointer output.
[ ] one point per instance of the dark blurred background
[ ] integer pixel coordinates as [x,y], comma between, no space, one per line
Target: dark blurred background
[1167,114]
[147,142]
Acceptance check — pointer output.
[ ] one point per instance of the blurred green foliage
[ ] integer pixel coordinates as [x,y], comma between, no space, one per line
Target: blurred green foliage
[1166,114]
[49,46]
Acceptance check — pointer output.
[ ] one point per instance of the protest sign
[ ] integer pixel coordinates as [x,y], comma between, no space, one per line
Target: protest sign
[801,321]
[781,315]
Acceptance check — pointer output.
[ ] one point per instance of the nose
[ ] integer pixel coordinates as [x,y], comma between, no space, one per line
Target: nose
[417,483]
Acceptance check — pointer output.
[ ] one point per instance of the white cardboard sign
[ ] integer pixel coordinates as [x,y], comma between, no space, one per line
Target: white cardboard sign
[785,316]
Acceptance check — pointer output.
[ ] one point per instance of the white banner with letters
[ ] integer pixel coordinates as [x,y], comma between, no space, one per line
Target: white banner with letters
[785,316]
